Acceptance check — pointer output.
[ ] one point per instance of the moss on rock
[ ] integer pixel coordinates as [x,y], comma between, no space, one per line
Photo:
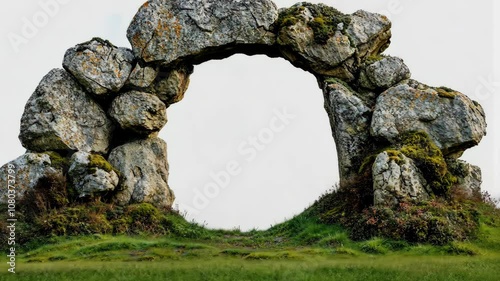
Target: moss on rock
[324,23]
[429,159]
[445,92]
[57,161]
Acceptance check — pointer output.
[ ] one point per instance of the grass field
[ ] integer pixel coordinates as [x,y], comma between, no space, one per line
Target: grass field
[292,251]
[391,267]
[164,246]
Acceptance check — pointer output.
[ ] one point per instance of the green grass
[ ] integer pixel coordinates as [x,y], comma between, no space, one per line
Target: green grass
[334,267]
[303,248]
[300,249]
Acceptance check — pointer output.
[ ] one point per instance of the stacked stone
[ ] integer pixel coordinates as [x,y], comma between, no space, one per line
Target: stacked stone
[104,110]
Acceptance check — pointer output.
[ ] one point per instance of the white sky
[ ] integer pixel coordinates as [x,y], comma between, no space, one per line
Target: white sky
[448,43]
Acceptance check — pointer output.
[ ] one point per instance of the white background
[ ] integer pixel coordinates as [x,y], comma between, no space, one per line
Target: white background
[445,43]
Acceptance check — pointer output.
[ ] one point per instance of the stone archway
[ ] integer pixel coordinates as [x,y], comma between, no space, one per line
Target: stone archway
[102,113]
[235,111]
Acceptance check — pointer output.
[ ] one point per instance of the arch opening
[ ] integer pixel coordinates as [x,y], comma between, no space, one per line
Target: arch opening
[249,147]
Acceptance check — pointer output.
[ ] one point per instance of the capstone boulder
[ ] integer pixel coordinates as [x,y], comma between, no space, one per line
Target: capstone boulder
[166,31]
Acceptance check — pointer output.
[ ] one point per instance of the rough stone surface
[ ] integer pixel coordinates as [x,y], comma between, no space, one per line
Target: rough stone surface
[142,76]
[144,169]
[369,32]
[451,119]
[349,119]
[170,85]
[99,66]
[384,73]
[90,178]
[141,113]
[166,30]
[27,170]
[299,48]
[362,34]
[469,177]
[61,116]
[396,179]
[370,100]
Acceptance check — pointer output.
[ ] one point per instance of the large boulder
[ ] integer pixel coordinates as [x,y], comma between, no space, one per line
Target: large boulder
[451,119]
[350,122]
[168,30]
[99,66]
[139,112]
[324,41]
[91,174]
[469,177]
[384,73]
[369,32]
[396,179]
[61,116]
[24,173]
[144,169]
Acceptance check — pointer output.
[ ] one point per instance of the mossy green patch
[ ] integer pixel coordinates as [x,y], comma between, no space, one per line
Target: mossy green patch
[429,159]
[324,23]
[57,161]
[373,59]
[445,92]
[333,80]
[98,162]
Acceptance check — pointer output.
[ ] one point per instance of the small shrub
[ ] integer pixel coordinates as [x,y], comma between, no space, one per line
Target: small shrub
[374,246]
[456,248]
[145,218]
[49,193]
[346,251]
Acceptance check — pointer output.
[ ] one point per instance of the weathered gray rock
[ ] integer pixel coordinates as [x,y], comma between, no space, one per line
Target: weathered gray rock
[139,112]
[170,85]
[99,66]
[91,174]
[369,32]
[350,122]
[168,30]
[469,177]
[451,119]
[26,171]
[61,116]
[384,73]
[309,41]
[142,76]
[144,169]
[397,179]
